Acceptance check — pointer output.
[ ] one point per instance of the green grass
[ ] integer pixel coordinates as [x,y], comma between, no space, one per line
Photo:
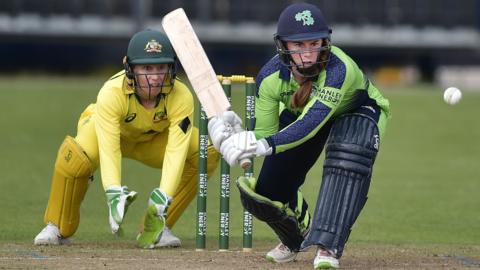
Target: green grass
[424,189]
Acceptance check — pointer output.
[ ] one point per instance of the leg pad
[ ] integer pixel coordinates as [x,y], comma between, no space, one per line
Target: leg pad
[277,215]
[70,181]
[350,154]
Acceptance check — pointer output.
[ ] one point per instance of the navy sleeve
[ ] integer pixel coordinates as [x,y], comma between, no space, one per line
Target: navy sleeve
[301,128]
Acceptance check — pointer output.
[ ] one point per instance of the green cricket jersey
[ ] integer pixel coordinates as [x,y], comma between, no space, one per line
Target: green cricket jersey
[341,87]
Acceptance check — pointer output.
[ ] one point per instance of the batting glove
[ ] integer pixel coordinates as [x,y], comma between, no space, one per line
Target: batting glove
[243,145]
[223,126]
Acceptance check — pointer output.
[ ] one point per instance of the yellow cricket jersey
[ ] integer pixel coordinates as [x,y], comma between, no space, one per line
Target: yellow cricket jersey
[121,119]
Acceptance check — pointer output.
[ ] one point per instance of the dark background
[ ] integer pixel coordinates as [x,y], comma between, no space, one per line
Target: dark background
[85,36]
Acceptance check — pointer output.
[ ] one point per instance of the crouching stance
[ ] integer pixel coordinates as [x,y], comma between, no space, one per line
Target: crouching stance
[142,113]
[327,102]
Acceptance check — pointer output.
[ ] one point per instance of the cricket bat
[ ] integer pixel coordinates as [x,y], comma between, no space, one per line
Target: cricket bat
[198,68]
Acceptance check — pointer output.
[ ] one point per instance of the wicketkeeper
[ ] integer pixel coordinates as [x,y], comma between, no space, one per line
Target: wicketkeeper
[142,113]
[310,96]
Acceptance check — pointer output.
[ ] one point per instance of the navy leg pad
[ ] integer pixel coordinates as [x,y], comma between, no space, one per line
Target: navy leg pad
[350,154]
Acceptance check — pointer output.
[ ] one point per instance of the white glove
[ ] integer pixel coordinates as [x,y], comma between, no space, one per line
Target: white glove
[243,145]
[223,126]
[263,148]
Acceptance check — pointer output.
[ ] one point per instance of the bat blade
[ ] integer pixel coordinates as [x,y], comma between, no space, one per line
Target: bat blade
[195,63]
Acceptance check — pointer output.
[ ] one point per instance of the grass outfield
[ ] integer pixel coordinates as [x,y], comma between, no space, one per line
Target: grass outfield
[424,190]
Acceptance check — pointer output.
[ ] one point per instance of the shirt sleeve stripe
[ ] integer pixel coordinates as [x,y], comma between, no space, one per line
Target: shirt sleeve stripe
[336,72]
[269,68]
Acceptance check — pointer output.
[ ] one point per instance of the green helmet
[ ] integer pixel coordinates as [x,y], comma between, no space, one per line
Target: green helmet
[150,47]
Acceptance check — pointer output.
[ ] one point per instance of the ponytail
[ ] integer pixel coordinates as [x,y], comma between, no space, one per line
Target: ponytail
[300,97]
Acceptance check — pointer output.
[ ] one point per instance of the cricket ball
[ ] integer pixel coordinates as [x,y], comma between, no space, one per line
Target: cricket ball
[452,95]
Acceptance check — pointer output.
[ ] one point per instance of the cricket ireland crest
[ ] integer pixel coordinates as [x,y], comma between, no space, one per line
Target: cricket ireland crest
[305,16]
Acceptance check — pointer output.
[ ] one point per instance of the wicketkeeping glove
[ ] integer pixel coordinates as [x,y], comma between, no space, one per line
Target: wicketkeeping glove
[161,201]
[118,200]
[154,219]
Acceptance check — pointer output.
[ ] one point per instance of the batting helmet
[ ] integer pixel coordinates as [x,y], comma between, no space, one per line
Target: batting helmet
[300,22]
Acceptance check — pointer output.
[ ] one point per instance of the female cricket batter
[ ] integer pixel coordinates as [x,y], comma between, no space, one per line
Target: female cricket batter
[328,101]
[143,113]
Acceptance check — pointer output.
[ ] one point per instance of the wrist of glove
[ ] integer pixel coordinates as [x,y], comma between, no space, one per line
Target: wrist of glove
[161,201]
[263,148]
[223,126]
[243,145]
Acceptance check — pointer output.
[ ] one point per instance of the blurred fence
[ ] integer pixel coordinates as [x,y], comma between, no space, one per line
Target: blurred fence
[366,23]
[418,13]
[421,33]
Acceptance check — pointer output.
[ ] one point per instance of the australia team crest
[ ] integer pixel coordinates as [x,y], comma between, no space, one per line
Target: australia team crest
[153,46]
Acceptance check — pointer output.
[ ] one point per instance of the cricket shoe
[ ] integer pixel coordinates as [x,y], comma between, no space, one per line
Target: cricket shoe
[167,239]
[281,254]
[325,259]
[50,235]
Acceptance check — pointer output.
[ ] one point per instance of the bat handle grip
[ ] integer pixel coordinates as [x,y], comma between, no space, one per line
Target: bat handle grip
[245,163]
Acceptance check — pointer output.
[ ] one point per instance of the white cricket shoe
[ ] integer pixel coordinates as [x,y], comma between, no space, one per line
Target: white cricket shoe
[325,259]
[50,235]
[281,254]
[167,239]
